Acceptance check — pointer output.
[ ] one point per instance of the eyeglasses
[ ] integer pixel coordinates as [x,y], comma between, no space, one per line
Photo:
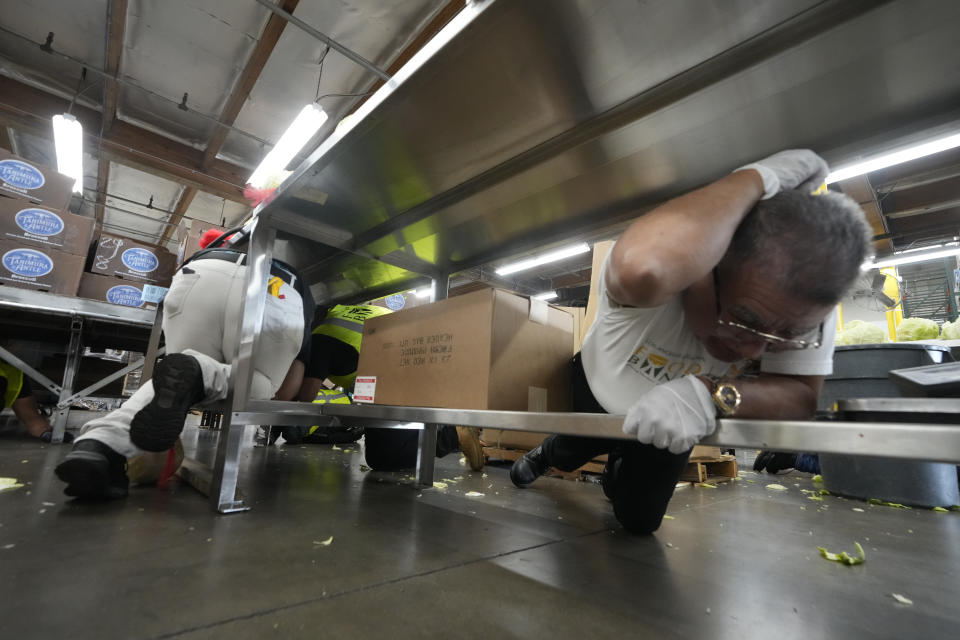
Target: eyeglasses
[737,331]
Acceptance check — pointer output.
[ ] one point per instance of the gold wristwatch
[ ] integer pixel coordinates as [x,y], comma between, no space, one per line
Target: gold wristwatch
[726,397]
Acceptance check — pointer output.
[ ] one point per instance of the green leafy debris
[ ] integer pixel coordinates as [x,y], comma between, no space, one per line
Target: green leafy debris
[818,478]
[815,498]
[707,485]
[824,492]
[776,487]
[843,557]
[895,505]
[941,510]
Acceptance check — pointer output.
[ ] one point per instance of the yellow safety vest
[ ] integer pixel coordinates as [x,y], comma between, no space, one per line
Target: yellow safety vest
[14,382]
[345,323]
[329,396]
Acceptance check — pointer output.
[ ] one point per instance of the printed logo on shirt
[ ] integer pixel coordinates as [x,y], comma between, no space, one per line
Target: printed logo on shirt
[659,366]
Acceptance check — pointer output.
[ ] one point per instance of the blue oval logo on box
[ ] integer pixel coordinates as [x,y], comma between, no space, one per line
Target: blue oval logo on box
[125,295]
[27,262]
[39,222]
[20,174]
[140,260]
[395,302]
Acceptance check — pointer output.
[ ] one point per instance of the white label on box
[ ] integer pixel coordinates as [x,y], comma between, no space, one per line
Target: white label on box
[364,389]
[536,399]
[153,293]
[538,311]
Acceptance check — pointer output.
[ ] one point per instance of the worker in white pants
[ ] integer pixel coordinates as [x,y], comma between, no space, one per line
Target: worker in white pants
[201,317]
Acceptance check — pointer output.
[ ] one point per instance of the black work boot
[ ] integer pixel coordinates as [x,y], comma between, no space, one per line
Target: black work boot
[528,468]
[608,479]
[177,386]
[94,471]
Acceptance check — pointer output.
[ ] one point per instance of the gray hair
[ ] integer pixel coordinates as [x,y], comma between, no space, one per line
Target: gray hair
[815,243]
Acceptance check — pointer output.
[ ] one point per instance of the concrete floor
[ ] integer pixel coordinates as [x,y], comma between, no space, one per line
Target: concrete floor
[738,561]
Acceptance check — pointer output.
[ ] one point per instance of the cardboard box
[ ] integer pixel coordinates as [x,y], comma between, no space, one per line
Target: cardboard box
[190,238]
[43,269]
[31,225]
[600,251]
[20,178]
[118,256]
[482,350]
[127,293]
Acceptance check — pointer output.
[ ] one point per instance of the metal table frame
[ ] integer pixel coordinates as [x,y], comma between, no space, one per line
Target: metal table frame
[935,442]
[80,311]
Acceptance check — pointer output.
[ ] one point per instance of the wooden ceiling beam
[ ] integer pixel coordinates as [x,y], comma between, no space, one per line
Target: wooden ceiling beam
[234,103]
[116,30]
[28,109]
[248,78]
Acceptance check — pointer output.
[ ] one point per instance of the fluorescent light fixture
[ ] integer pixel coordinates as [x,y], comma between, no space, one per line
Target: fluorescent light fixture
[304,126]
[426,292]
[909,257]
[896,157]
[553,256]
[546,295]
[68,140]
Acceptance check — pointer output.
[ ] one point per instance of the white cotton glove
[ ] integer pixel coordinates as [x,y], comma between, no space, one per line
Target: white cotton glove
[790,169]
[673,416]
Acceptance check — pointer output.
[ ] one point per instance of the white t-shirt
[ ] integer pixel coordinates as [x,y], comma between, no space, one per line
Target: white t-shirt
[629,350]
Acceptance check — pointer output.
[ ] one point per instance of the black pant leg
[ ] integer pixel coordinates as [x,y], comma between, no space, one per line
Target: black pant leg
[391,449]
[643,484]
[571,452]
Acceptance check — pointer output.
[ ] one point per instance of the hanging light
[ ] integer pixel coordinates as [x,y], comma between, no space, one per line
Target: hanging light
[553,256]
[68,140]
[896,157]
[546,295]
[912,256]
[304,126]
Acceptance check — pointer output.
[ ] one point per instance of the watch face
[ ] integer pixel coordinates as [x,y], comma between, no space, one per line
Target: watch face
[727,399]
[728,395]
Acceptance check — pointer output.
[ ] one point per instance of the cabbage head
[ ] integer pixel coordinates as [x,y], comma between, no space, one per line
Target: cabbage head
[951,330]
[860,332]
[917,329]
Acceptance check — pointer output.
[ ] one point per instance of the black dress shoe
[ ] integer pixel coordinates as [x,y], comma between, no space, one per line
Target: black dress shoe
[177,386]
[94,471]
[528,468]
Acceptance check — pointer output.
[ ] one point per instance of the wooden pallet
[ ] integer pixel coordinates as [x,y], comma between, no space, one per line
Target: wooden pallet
[712,470]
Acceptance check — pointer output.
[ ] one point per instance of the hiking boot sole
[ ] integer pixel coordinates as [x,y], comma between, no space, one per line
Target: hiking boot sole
[177,385]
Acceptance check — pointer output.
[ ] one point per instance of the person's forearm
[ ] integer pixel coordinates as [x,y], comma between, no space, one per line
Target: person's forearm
[679,242]
[776,397]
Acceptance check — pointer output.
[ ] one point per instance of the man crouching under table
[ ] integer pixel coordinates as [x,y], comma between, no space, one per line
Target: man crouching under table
[750,267]
[201,316]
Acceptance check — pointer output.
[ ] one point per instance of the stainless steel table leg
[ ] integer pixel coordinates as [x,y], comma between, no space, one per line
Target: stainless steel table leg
[153,346]
[74,351]
[426,455]
[226,467]
[226,470]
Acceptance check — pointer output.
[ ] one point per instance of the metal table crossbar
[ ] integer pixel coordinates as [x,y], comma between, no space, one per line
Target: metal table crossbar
[934,442]
[79,312]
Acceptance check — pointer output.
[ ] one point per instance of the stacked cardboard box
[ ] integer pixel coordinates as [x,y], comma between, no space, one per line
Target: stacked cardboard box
[483,350]
[114,255]
[190,238]
[42,245]
[125,272]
